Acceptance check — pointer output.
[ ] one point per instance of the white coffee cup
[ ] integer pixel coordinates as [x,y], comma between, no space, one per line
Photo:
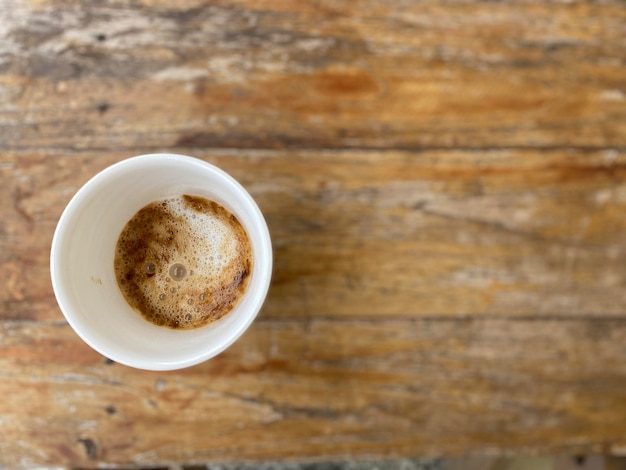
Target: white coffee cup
[83,247]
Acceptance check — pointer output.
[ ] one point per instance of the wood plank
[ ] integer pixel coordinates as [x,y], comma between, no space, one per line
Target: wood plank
[325,75]
[370,234]
[320,389]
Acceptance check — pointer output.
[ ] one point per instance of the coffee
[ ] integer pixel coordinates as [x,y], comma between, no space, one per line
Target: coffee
[183,262]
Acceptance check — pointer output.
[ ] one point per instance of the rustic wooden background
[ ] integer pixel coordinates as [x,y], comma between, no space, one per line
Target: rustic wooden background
[445,184]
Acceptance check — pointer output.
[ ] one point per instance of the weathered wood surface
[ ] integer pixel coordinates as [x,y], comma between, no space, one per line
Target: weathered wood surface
[305,389]
[379,234]
[445,185]
[312,74]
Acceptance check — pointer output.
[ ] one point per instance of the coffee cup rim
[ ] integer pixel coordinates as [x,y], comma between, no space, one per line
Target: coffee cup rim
[135,164]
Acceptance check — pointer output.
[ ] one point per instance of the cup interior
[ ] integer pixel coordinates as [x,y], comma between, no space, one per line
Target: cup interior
[83,249]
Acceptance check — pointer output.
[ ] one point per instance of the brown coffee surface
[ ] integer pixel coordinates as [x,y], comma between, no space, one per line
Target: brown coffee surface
[183,262]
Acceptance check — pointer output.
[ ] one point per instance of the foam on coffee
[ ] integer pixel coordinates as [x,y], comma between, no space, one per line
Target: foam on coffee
[183,262]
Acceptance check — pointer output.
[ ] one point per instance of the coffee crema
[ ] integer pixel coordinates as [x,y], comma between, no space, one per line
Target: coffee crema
[183,262]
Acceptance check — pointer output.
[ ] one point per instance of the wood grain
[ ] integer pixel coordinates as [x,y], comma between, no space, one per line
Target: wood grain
[445,185]
[310,388]
[380,234]
[325,75]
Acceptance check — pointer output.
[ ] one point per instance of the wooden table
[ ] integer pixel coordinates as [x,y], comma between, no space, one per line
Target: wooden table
[445,185]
